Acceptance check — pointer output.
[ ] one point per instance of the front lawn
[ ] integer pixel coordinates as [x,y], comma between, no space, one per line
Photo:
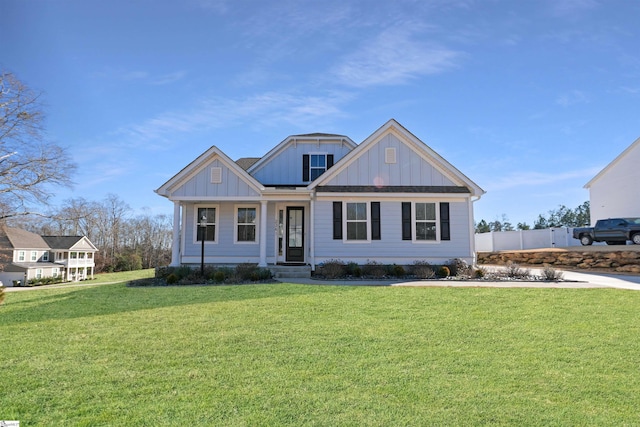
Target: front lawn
[283,354]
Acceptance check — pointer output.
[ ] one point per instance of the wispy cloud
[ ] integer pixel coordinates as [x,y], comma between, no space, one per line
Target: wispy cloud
[266,109]
[571,98]
[394,57]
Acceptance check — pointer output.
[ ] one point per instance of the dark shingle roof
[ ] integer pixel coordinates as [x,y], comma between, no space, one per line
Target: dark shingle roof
[61,242]
[246,162]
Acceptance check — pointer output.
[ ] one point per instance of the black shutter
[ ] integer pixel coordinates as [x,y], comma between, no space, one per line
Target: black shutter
[375,220]
[305,167]
[445,228]
[329,160]
[406,220]
[337,220]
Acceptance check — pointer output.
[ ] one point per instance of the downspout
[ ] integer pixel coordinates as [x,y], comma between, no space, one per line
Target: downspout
[472,230]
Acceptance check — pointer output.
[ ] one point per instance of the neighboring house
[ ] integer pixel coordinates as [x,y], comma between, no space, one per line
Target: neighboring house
[615,190]
[29,256]
[318,197]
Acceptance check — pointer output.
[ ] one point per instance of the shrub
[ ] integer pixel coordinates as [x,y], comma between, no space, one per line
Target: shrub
[513,271]
[219,276]
[246,272]
[443,271]
[460,268]
[172,279]
[551,274]
[480,272]
[374,270]
[2,294]
[398,271]
[332,269]
[353,269]
[422,270]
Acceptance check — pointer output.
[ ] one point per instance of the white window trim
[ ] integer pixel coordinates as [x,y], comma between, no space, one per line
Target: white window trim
[414,221]
[196,224]
[325,154]
[235,224]
[45,256]
[34,256]
[22,256]
[344,222]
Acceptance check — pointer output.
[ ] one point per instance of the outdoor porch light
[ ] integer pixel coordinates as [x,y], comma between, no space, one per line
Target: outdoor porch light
[203,227]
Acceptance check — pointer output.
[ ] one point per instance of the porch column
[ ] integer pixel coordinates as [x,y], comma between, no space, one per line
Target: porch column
[312,252]
[263,234]
[175,244]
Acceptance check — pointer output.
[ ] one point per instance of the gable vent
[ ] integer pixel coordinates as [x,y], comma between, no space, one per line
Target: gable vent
[216,175]
[390,155]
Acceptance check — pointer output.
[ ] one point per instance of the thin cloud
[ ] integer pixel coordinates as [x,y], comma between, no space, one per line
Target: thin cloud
[267,109]
[572,98]
[394,58]
[569,8]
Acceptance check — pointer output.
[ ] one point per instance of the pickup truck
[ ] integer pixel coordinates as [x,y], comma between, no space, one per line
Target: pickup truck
[614,231]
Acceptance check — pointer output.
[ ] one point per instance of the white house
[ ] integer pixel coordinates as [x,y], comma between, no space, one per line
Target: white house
[317,197]
[28,256]
[615,191]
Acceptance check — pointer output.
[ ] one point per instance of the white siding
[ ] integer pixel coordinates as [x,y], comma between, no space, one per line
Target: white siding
[391,248]
[286,167]
[200,184]
[617,193]
[410,169]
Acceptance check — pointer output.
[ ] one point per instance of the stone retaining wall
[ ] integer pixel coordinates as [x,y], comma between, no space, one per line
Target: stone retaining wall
[614,261]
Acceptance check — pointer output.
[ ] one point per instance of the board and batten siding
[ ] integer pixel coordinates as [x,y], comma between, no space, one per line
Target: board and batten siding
[200,184]
[391,248]
[286,167]
[410,169]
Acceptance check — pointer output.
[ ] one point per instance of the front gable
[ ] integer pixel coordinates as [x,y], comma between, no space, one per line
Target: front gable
[212,175]
[285,164]
[392,157]
[84,244]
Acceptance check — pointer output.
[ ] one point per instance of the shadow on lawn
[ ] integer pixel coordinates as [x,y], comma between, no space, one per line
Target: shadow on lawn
[112,299]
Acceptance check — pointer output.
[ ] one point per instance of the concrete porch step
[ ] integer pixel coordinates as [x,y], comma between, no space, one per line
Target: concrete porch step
[290,271]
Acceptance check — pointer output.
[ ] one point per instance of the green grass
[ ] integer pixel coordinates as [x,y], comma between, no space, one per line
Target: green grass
[287,354]
[122,276]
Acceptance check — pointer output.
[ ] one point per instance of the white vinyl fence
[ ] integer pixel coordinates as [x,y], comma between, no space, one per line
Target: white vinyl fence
[525,239]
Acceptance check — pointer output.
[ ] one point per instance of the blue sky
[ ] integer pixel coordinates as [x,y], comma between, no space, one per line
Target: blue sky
[530,99]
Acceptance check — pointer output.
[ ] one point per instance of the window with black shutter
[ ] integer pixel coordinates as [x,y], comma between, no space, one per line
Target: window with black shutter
[375,221]
[445,229]
[406,220]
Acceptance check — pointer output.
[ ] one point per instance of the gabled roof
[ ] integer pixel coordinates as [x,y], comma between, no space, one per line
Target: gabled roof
[613,163]
[66,242]
[201,162]
[412,141]
[294,139]
[23,239]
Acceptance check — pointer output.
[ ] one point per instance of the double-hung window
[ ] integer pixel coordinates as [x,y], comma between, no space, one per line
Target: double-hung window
[357,221]
[21,256]
[45,256]
[361,221]
[207,215]
[314,165]
[425,224]
[425,221]
[246,224]
[34,256]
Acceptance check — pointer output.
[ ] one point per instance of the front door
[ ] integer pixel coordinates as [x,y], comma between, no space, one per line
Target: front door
[295,234]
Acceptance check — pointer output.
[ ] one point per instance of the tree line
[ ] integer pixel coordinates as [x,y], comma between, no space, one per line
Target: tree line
[125,241]
[560,217]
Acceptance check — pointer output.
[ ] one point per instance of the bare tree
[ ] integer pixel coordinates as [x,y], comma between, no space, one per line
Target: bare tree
[29,164]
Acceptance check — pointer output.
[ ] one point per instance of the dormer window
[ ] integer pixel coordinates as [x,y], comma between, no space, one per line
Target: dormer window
[314,165]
